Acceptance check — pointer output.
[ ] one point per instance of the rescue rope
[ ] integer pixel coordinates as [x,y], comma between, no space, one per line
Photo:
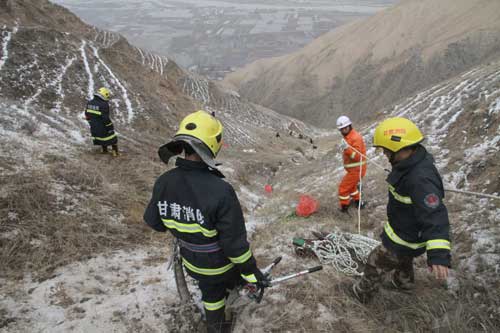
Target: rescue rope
[491,196]
[474,193]
[371,160]
[344,251]
[360,182]
[360,194]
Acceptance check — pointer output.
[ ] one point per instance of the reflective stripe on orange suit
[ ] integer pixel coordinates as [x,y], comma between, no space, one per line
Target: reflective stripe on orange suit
[348,185]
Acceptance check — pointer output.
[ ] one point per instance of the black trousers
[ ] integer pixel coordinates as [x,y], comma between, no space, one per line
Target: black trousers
[213,295]
[105,148]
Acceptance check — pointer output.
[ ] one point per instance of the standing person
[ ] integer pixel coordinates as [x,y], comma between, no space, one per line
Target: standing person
[353,154]
[101,126]
[202,211]
[417,217]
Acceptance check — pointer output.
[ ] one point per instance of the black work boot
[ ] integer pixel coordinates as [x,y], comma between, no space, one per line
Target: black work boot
[344,209]
[403,281]
[114,151]
[358,203]
[224,327]
[363,296]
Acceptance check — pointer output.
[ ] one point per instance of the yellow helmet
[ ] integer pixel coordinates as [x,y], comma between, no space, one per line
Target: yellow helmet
[396,133]
[202,131]
[204,127]
[103,93]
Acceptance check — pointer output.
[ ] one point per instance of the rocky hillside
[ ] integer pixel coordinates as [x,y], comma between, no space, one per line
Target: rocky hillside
[369,64]
[53,61]
[50,64]
[76,256]
[460,119]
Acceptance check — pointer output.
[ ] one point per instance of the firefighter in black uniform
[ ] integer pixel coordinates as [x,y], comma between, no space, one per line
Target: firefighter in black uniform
[101,126]
[417,217]
[203,212]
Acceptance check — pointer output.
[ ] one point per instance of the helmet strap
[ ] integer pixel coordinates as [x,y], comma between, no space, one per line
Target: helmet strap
[390,155]
[405,153]
[188,150]
[392,158]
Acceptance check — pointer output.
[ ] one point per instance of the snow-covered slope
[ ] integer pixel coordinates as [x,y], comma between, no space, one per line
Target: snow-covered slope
[461,122]
[50,71]
[234,112]
[77,257]
[460,119]
[61,201]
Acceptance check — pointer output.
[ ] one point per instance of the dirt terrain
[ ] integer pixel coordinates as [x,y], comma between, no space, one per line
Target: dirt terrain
[76,255]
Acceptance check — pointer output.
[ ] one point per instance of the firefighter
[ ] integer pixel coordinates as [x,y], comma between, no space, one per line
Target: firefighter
[202,211]
[417,217]
[353,153]
[101,126]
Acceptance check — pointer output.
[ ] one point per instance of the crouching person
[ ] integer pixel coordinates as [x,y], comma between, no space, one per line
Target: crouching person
[417,217]
[202,211]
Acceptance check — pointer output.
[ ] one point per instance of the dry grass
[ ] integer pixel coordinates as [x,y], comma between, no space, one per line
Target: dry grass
[72,210]
[321,302]
[111,194]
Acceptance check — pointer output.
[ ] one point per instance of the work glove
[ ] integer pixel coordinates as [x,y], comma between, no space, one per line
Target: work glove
[255,291]
[263,281]
[343,145]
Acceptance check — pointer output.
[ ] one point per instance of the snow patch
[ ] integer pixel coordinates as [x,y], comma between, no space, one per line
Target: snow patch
[250,199]
[120,85]
[90,87]
[58,83]
[494,107]
[142,55]
[98,295]
[7,36]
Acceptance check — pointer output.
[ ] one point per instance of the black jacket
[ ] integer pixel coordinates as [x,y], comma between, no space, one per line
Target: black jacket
[101,126]
[416,211]
[200,208]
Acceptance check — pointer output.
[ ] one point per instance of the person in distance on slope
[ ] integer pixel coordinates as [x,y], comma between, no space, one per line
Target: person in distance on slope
[417,217]
[202,211]
[101,126]
[353,153]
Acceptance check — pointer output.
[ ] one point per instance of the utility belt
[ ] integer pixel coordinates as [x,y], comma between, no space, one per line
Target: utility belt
[205,248]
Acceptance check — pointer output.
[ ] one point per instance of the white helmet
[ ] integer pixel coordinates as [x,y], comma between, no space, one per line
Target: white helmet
[343,121]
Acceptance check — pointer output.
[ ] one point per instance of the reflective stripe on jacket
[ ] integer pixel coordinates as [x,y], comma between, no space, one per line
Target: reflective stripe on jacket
[418,218]
[201,209]
[351,157]
[101,126]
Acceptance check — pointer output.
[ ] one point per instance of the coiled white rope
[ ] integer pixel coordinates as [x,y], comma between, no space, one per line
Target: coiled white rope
[344,251]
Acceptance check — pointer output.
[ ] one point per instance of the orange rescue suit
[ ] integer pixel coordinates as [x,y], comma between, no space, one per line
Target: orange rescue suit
[353,161]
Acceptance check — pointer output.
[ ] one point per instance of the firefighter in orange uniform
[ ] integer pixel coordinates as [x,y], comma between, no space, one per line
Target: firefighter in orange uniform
[353,153]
